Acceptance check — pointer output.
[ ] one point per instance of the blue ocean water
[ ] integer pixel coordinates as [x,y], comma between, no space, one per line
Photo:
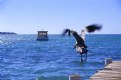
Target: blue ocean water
[24,58]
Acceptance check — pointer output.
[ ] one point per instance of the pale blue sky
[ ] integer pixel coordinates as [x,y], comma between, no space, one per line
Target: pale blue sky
[29,16]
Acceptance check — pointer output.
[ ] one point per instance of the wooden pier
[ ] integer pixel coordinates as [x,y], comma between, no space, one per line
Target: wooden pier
[111,71]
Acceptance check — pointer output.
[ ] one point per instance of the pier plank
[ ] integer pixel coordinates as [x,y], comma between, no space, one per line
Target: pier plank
[101,78]
[109,71]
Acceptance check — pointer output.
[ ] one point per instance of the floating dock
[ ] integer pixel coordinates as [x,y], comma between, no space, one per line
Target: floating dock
[111,71]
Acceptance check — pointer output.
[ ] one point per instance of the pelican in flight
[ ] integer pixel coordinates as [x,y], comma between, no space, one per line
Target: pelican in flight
[80,45]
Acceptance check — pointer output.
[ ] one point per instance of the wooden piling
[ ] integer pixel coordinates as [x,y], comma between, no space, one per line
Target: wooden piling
[75,77]
[108,61]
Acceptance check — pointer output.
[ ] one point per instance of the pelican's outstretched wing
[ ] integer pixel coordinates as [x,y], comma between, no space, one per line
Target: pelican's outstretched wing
[93,27]
[66,31]
[79,40]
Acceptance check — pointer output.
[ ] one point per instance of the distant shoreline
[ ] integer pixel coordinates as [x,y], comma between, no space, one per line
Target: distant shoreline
[4,33]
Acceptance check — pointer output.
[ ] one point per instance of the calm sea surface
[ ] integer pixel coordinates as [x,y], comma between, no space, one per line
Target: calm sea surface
[24,58]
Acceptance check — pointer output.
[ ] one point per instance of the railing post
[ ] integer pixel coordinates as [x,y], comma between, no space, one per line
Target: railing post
[108,61]
[74,77]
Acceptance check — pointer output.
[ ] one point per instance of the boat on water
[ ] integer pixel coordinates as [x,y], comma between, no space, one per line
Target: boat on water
[42,36]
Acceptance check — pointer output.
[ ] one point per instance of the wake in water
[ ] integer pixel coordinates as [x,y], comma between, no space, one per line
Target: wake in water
[80,45]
